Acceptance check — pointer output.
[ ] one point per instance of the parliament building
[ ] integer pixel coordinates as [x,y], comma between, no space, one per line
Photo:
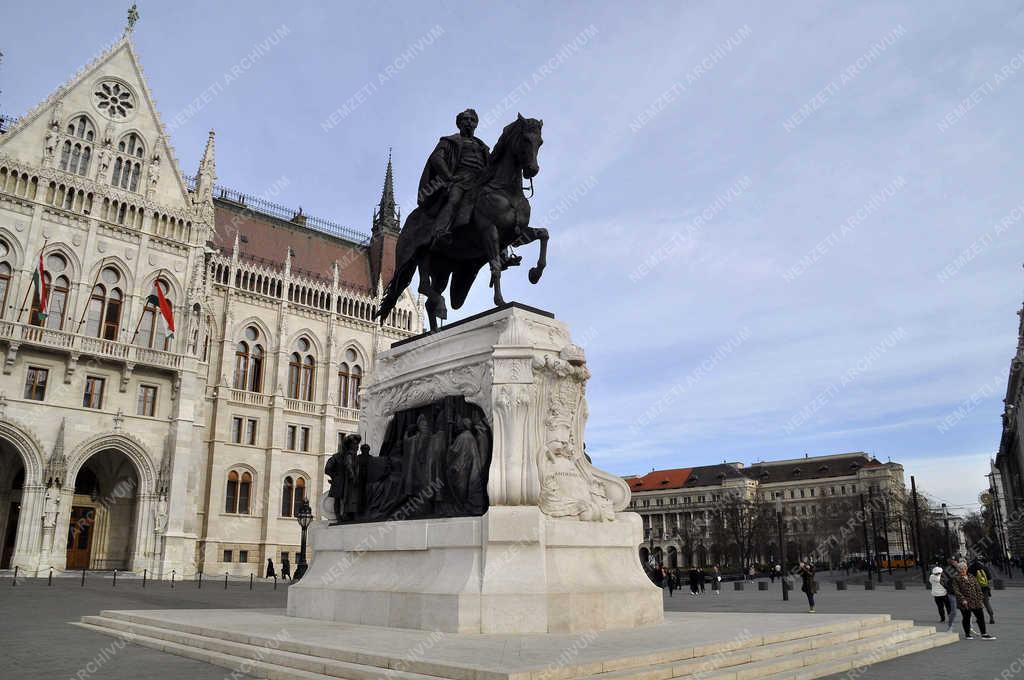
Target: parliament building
[179,359]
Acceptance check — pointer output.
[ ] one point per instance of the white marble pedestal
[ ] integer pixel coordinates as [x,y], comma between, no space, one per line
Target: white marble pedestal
[514,570]
[553,553]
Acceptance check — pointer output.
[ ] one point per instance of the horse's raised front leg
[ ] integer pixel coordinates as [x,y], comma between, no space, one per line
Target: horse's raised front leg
[542,259]
[435,306]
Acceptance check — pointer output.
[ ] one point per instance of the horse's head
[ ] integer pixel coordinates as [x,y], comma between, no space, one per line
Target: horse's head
[522,138]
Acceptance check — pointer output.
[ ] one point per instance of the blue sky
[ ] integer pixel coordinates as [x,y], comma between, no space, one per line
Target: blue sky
[800,182]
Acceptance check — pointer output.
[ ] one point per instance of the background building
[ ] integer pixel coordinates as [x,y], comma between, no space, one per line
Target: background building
[123,445]
[1010,458]
[713,514]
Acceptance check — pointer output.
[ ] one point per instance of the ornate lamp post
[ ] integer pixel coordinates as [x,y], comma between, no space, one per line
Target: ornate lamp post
[304,517]
[782,548]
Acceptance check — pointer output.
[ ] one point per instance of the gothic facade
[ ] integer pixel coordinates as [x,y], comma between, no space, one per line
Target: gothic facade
[126,444]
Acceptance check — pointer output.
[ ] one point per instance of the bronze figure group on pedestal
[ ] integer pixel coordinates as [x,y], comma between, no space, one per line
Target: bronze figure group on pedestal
[433,463]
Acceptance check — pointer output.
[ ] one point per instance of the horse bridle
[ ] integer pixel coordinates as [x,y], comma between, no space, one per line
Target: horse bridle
[530,188]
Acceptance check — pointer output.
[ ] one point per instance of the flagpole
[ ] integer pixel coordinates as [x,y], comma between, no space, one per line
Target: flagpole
[96,280]
[35,265]
[139,323]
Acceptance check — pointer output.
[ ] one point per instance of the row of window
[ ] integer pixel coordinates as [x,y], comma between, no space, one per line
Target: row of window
[249,361]
[804,493]
[243,556]
[76,154]
[238,494]
[37,378]
[244,431]
[102,317]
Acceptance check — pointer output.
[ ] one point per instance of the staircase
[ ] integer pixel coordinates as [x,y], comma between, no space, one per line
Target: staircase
[809,652]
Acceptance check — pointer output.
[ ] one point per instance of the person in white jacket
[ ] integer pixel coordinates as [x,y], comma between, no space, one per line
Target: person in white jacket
[940,594]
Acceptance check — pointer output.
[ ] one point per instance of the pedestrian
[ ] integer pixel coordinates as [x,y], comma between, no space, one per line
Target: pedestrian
[778,571]
[810,586]
[752,573]
[970,601]
[286,568]
[270,569]
[671,583]
[701,579]
[948,576]
[693,582]
[984,578]
[716,581]
[939,593]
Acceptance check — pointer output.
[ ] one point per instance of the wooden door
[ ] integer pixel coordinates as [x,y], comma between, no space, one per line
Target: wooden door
[80,531]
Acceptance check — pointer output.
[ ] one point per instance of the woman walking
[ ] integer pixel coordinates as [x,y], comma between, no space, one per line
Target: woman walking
[810,586]
[716,581]
[270,569]
[970,601]
[939,594]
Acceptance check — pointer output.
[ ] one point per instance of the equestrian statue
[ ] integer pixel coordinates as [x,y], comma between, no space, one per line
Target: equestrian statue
[471,211]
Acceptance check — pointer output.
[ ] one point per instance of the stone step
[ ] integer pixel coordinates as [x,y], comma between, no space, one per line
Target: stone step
[825,658]
[864,659]
[221,652]
[247,667]
[754,661]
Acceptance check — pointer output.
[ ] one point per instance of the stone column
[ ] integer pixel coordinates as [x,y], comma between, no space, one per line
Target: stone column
[29,542]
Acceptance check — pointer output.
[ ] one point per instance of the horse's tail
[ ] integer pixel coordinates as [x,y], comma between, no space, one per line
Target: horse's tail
[399,282]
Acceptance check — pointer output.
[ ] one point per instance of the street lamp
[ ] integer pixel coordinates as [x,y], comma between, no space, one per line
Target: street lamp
[782,548]
[945,519]
[304,517]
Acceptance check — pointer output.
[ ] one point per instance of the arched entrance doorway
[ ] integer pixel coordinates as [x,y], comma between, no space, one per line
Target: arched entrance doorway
[645,556]
[12,484]
[104,513]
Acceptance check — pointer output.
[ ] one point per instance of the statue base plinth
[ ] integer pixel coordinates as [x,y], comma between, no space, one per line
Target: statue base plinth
[513,570]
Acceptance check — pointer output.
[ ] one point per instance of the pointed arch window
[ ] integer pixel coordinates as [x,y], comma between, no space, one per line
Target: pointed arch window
[249,356]
[76,152]
[293,493]
[350,378]
[238,492]
[5,286]
[103,318]
[302,372]
[128,164]
[153,331]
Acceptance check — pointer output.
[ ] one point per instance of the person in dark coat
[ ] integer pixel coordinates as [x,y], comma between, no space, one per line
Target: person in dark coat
[809,585]
[270,569]
[694,577]
[286,568]
[701,579]
[970,601]
[983,576]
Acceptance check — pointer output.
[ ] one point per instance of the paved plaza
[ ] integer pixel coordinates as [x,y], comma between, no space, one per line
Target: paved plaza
[967,660]
[38,641]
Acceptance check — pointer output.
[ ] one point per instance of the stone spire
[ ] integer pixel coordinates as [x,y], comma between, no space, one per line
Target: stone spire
[206,176]
[387,216]
[57,466]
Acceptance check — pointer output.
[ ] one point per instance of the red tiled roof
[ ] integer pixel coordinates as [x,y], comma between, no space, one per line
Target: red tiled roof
[267,239]
[661,479]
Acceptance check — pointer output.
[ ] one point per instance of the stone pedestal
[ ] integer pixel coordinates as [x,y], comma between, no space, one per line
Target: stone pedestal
[553,553]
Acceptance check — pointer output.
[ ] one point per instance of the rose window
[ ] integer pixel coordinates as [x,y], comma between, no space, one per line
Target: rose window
[114,99]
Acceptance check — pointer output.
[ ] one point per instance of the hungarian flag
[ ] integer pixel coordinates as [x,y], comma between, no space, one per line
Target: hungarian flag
[161,303]
[39,296]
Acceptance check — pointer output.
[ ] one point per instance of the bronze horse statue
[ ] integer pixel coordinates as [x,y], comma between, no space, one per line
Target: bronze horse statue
[500,218]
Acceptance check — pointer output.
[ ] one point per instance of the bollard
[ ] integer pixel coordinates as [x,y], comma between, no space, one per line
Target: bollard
[869,585]
[998,584]
[14,581]
[225,580]
[762,585]
[200,584]
[114,584]
[83,577]
[49,579]
[251,576]
[737,585]
[145,573]
[899,585]
[840,585]
[172,579]
[275,581]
